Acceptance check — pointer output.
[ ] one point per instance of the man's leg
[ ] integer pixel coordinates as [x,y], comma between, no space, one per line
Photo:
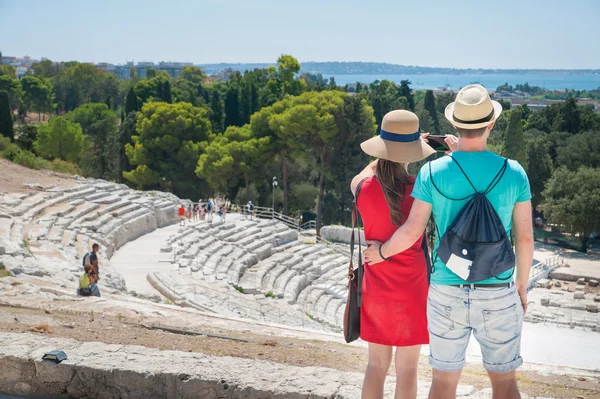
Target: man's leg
[497,323]
[449,332]
[504,386]
[443,384]
[407,362]
[380,359]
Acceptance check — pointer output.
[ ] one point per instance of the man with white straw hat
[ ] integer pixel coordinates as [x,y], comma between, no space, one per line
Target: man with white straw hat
[460,300]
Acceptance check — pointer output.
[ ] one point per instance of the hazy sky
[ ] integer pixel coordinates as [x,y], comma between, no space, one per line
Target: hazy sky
[459,33]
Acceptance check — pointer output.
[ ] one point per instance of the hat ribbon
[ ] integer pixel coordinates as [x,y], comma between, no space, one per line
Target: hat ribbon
[486,119]
[400,138]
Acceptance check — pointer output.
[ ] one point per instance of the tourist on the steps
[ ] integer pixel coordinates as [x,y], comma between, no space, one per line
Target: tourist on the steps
[88,282]
[250,209]
[195,212]
[209,209]
[91,258]
[394,294]
[474,291]
[181,215]
[189,212]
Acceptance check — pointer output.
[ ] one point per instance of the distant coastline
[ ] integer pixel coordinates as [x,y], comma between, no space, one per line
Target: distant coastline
[377,68]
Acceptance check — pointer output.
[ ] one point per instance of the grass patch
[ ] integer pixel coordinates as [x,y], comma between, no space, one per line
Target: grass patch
[167,301]
[270,294]
[26,245]
[4,272]
[309,316]
[238,289]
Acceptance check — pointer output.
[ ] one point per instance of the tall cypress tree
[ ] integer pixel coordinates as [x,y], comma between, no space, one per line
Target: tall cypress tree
[514,141]
[167,96]
[429,105]
[216,104]
[232,107]
[131,102]
[6,120]
[405,91]
[159,89]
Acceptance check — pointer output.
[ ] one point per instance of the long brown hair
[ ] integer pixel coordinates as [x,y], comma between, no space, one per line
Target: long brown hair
[393,176]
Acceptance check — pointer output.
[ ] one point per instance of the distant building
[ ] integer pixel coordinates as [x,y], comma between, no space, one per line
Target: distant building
[174,69]
[21,64]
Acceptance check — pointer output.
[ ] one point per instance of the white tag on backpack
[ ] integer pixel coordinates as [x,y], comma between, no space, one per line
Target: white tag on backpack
[459,266]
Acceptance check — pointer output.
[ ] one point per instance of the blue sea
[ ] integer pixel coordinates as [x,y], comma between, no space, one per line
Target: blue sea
[490,81]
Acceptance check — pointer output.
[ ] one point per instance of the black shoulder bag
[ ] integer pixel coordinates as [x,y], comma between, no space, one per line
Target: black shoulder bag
[355,277]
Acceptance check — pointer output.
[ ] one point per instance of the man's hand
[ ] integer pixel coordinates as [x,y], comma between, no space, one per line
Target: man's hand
[522,291]
[452,142]
[371,254]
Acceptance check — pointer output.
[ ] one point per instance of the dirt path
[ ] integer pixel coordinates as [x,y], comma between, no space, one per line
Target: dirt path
[298,352]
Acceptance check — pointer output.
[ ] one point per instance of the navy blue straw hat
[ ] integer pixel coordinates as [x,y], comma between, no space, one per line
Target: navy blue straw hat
[399,139]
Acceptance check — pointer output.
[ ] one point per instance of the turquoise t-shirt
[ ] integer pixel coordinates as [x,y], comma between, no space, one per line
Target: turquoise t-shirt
[481,167]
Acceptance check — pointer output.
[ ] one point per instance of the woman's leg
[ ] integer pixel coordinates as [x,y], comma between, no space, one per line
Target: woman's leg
[380,358]
[407,362]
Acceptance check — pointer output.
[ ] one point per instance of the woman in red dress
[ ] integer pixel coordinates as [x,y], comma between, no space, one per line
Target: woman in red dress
[394,292]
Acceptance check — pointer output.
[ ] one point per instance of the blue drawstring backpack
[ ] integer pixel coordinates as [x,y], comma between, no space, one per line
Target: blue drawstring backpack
[475,246]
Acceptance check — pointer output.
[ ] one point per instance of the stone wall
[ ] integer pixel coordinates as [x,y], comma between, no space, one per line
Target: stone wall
[340,234]
[98,370]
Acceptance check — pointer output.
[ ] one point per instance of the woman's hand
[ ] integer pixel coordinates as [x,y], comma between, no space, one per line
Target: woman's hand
[371,254]
[452,142]
[424,137]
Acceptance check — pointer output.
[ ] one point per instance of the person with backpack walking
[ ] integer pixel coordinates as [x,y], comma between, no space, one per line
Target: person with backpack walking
[477,199]
[394,297]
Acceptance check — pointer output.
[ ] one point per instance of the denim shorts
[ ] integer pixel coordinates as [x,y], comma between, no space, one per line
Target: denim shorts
[494,315]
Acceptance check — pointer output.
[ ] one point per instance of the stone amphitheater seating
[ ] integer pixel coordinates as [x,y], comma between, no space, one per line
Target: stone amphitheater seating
[278,274]
[58,225]
[258,269]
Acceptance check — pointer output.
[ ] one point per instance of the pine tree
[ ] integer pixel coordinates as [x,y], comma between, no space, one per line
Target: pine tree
[514,141]
[131,102]
[159,89]
[429,105]
[218,116]
[167,97]
[6,121]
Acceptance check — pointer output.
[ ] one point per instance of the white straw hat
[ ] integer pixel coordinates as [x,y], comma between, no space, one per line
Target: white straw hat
[473,108]
[399,139]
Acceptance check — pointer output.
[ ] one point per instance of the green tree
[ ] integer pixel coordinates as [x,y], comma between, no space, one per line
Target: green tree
[6,120]
[232,106]
[27,134]
[577,209]
[568,119]
[38,94]
[236,155]
[405,91]
[60,138]
[540,169]
[169,141]
[287,68]
[131,103]
[46,69]
[218,112]
[100,125]
[13,88]
[514,142]
[150,73]
[166,95]
[8,70]
[160,89]
[127,130]
[580,150]
[429,105]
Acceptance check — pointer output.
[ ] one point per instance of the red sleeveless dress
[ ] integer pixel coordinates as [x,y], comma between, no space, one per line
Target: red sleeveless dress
[394,307]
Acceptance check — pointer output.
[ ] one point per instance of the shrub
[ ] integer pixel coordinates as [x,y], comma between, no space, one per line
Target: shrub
[11,151]
[29,160]
[60,166]
[4,142]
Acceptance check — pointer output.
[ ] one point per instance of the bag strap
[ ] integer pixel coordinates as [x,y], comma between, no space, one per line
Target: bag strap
[351,275]
[489,188]
[497,178]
